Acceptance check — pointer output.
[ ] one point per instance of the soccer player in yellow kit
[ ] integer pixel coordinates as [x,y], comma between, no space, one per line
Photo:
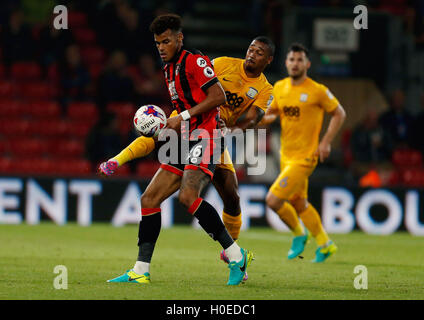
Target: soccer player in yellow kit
[248,95]
[301,102]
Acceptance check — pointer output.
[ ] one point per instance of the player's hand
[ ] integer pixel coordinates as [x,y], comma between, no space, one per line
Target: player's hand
[174,123]
[224,129]
[108,168]
[323,151]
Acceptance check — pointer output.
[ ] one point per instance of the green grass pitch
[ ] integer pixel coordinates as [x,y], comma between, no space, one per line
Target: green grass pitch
[186,265]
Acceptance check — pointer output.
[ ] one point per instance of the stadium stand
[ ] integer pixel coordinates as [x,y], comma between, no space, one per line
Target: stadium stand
[49,123]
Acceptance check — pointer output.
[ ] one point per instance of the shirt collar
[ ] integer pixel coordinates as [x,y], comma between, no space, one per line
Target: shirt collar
[177,56]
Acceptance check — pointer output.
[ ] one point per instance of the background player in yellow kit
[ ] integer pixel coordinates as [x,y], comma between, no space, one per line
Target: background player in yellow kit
[301,102]
[248,95]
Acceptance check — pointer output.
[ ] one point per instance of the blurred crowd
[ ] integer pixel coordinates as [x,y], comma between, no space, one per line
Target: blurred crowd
[410,11]
[106,60]
[266,15]
[95,74]
[389,143]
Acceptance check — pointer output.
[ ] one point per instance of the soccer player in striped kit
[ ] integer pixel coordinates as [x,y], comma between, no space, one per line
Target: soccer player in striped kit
[196,94]
[248,96]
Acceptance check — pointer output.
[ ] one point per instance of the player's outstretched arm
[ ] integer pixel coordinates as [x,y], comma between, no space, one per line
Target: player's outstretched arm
[250,119]
[338,116]
[270,116]
[140,147]
[215,96]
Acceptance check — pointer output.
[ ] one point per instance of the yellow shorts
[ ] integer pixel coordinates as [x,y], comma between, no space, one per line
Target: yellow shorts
[292,182]
[225,162]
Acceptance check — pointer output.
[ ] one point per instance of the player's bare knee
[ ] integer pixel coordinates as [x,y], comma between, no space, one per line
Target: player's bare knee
[299,204]
[187,197]
[273,202]
[149,201]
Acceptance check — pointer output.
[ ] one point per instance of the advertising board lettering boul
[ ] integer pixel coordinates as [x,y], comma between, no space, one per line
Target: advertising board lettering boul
[374,211]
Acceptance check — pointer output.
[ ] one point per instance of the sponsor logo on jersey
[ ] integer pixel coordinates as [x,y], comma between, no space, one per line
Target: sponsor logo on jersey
[291,111]
[251,93]
[233,100]
[177,69]
[172,91]
[303,97]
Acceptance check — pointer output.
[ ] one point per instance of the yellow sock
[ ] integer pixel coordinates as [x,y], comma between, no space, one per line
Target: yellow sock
[312,221]
[289,216]
[232,224]
[140,147]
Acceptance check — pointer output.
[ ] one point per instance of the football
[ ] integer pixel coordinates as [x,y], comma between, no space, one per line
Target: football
[149,120]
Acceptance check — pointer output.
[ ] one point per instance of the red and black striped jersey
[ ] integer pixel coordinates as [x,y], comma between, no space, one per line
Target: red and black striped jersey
[188,76]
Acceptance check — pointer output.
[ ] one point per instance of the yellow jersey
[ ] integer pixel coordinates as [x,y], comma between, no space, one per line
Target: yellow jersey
[301,109]
[242,92]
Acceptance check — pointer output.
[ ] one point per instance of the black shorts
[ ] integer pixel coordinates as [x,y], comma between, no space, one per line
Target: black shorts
[201,154]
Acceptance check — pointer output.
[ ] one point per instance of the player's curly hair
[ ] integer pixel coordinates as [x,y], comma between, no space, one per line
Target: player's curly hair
[165,22]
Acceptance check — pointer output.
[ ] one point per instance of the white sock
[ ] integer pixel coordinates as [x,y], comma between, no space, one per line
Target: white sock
[233,252]
[141,267]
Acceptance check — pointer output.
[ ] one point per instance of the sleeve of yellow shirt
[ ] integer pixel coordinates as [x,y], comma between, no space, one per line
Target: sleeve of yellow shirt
[328,102]
[274,101]
[264,99]
[217,64]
